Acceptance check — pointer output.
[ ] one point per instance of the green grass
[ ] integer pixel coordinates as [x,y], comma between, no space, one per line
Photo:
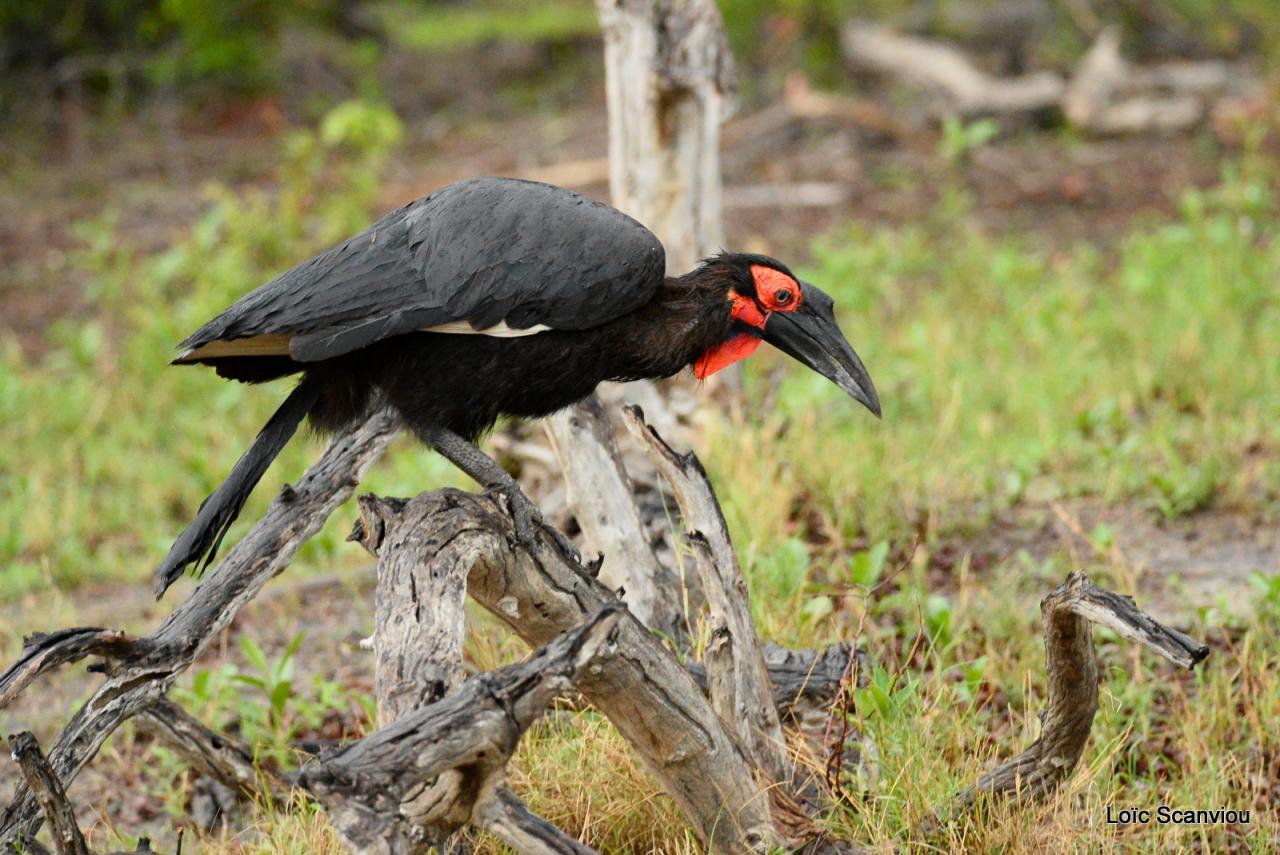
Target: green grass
[446,27]
[1012,376]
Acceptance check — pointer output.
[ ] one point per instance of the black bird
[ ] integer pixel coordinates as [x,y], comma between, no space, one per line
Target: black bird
[492,297]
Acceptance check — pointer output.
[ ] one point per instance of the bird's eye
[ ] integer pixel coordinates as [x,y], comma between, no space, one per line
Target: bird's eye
[782,296]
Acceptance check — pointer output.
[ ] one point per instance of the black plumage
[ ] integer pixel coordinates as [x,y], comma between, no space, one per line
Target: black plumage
[490,297]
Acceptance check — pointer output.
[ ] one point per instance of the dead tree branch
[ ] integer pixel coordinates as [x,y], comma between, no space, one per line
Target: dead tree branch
[67,839]
[603,502]
[637,683]
[49,793]
[1105,94]
[218,757]
[1108,95]
[43,652]
[805,682]
[737,678]
[135,682]
[372,790]
[945,69]
[1068,612]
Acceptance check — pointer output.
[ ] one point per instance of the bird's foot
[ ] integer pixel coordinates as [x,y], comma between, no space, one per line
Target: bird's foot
[528,519]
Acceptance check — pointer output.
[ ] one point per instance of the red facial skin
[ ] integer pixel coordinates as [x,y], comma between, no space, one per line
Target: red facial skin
[775,292]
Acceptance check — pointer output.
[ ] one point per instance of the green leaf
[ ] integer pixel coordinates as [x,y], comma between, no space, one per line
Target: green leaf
[867,566]
[253,653]
[816,608]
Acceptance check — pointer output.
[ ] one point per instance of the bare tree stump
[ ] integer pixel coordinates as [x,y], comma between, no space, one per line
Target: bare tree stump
[668,77]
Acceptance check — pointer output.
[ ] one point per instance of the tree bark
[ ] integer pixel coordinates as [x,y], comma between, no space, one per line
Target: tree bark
[602,499]
[736,674]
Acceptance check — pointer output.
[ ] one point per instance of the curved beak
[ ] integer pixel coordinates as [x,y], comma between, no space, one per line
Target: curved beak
[811,335]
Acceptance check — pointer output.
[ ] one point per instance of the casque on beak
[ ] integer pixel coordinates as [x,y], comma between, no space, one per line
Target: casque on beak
[811,335]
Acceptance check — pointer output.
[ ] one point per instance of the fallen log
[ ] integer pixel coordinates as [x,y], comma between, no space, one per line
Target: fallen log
[942,68]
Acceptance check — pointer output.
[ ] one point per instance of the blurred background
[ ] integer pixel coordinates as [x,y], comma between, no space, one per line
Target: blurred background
[1050,229]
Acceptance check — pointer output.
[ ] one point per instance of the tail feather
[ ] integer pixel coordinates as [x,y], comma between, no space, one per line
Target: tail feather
[200,540]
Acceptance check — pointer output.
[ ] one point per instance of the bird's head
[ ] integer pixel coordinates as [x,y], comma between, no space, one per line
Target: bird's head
[767,302]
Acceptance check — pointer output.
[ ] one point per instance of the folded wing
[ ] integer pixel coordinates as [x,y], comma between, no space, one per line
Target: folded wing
[495,256]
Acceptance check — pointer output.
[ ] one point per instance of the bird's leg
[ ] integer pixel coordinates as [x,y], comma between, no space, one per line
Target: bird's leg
[495,479]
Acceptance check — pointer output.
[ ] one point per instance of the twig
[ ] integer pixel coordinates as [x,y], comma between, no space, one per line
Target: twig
[218,757]
[42,652]
[67,839]
[738,679]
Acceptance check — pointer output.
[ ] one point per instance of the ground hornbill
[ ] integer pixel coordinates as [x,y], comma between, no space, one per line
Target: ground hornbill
[492,297]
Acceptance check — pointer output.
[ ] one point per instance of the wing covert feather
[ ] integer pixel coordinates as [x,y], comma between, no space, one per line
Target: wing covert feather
[483,250]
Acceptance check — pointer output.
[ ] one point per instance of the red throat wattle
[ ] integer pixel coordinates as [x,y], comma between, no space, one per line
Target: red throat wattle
[747,311]
[725,354]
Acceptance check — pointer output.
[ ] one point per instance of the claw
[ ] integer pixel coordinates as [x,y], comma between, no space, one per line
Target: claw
[528,519]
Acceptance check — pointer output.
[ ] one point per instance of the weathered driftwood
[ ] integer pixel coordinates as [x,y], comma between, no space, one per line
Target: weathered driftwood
[1068,612]
[52,798]
[945,69]
[602,500]
[142,670]
[1107,95]
[737,678]
[637,684]
[668,78]
[374,789]
[218,757]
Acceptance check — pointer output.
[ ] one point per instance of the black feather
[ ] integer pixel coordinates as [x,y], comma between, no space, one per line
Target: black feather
[200,540]
[483,250]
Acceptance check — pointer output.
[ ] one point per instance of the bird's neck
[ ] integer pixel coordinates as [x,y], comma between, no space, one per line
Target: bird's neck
[672,330]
